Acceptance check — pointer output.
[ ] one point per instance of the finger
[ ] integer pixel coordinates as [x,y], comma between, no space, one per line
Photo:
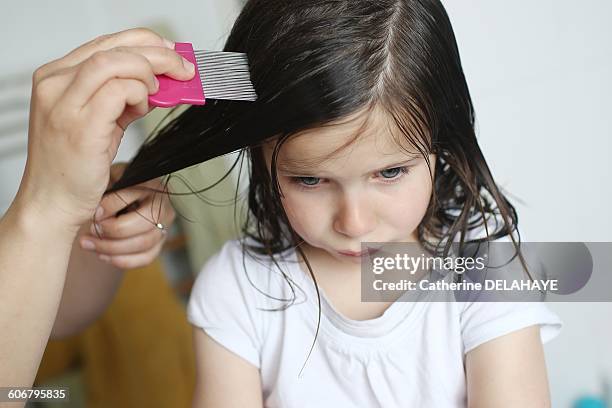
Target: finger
[130,115]
[113,99]
[132,37]
[118,200]
[136,221]
[127,62]
[135,260]
[93,74]
[132,245]
[164,61]
[133,112]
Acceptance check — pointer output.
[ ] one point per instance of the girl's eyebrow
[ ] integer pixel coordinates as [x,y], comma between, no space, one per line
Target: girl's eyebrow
[283,167]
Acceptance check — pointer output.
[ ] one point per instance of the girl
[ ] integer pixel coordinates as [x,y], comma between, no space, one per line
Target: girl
[363,131]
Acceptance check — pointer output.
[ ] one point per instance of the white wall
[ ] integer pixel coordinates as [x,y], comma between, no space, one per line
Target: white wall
[539,75]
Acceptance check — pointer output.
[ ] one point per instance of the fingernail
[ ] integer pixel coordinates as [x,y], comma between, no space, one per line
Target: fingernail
[168,43]
[87,244]
[188,65]
[104,258]
[156,82]
[99,211]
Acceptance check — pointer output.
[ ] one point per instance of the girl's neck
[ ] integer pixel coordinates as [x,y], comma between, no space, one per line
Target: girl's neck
[340,284]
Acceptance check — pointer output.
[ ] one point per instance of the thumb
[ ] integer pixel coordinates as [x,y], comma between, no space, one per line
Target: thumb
[119,201]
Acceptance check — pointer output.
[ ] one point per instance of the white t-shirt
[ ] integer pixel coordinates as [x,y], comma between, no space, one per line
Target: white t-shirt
[412,355]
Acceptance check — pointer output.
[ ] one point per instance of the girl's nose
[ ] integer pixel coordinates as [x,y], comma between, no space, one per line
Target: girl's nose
[355,218]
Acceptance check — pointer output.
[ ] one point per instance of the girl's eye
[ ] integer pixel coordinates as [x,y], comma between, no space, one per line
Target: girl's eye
[308,181]
[394,173]
[390,175]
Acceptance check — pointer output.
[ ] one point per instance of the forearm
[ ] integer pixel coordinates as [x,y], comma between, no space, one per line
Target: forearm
[34,253]
[90,287]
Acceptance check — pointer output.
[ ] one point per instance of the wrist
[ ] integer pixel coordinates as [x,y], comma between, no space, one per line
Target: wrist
[36,221]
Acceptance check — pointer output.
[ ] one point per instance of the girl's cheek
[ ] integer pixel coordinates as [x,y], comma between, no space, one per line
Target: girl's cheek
[304,213]
[405,208]
[418,207]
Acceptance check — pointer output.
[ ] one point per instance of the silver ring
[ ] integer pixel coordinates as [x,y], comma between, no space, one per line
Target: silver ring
[161,227]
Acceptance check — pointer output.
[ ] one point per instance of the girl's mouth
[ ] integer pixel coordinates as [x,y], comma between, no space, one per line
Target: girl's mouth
[359,254]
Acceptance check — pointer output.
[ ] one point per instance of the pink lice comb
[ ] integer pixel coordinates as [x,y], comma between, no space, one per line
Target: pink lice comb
[221,75]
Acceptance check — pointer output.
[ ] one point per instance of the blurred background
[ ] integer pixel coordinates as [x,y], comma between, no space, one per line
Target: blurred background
[539,75]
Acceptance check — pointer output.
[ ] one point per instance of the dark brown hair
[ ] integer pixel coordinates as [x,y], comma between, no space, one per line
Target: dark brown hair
[315,62]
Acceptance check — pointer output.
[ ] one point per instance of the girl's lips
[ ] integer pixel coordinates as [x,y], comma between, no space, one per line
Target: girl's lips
[346,253]
[360,253]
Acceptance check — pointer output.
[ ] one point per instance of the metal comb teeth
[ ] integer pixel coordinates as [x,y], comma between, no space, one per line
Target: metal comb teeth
[225,75]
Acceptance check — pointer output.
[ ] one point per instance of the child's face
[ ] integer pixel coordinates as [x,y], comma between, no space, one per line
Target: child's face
[358,194]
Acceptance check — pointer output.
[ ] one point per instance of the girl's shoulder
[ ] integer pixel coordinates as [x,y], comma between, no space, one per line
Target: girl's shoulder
[242,252]
[232,295]
[245,254]
[219,278]
[236,272]
[482,321]
[223,304]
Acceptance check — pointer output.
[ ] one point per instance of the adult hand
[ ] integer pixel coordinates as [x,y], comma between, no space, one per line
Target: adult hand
[80,107]
[131,239]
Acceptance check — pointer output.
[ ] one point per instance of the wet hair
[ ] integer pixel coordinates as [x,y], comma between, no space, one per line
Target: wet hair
[316,62]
